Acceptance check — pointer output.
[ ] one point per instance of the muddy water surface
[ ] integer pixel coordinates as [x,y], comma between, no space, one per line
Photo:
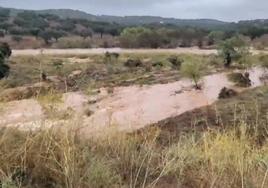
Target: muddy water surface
[129,108]
[134,107]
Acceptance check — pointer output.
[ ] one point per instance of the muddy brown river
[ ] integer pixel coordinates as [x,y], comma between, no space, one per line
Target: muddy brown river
[129,108]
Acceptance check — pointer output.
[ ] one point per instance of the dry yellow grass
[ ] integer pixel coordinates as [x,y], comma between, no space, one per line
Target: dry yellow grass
[56,158]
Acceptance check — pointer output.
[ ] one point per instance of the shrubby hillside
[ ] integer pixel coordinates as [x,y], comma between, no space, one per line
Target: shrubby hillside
[63,28]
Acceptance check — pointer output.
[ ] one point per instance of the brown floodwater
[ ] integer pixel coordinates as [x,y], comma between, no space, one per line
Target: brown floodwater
[134,107]
[129,108]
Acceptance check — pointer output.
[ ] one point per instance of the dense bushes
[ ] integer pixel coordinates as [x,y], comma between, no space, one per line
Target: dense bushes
[145,37]
[150,35]
[140,37]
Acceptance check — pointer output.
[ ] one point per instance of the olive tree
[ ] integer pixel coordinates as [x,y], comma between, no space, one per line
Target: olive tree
[48,35]
[232,49]
[140,37]
[193,71]
[129,36]
[215,37]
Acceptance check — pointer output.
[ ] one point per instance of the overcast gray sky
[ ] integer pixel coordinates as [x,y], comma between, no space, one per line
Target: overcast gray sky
[228,10]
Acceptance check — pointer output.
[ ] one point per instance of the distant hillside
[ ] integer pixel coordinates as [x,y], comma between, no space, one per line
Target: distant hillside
[66,28]
[128,20]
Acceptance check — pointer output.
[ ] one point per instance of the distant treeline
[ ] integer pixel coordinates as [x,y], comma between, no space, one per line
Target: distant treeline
[50,28]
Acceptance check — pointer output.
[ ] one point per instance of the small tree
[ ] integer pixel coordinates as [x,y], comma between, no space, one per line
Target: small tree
[233,49]
[140,37]
[5,52]
[215,37]
[245,58]
[193,71]
[86,33]
[47,35]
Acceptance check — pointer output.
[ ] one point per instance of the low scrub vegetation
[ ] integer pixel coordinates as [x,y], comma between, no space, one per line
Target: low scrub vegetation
[95,71]
[240,79]
[226,93]
[73,42]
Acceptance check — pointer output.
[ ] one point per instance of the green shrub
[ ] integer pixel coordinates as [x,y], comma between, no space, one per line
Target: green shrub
[73,42]
[193,71]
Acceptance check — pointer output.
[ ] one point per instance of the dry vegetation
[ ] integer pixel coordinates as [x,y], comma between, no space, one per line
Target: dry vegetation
[95,71]
[90,72]
[98,70]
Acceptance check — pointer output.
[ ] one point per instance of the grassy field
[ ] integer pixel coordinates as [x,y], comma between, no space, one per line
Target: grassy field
[98,71]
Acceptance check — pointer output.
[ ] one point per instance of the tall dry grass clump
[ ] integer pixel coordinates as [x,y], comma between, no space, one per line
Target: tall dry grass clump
[56,158]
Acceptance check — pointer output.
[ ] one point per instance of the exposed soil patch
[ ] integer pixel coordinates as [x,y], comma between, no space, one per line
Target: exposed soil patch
[117,50]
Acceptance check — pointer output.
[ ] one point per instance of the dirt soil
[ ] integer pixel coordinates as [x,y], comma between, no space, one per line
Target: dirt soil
[117,50]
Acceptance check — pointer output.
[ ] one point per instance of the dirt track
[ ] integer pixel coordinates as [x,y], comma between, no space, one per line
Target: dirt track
[117,50]
[103,50]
